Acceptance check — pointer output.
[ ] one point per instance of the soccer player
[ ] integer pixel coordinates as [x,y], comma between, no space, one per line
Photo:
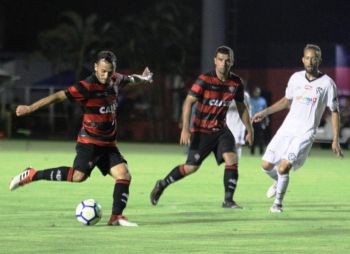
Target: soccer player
[307,95]
[235,124]
[96,142]
[212,94]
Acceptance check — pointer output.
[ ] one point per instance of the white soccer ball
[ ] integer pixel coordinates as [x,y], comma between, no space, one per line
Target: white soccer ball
[88,212]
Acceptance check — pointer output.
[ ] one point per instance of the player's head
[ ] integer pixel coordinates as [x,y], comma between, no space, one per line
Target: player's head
[105,65]
[223,59]
[312,58]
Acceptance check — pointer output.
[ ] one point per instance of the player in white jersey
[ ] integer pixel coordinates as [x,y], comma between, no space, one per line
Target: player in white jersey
[307,95]
[236,125]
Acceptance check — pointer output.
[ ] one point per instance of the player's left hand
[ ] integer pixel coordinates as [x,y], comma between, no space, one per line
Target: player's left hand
[337,149]
[250,137]
[147,76]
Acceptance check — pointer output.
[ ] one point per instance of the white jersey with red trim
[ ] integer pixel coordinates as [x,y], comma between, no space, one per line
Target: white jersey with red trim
[309,100]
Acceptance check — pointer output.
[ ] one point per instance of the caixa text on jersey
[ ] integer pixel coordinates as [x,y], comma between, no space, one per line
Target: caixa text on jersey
[219,103]
[108,109]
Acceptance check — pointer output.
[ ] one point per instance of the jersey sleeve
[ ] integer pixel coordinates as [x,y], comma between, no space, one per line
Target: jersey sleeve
[289,89]
[77,92]
[197,88]
[332,99]
[119,79]
[240,93]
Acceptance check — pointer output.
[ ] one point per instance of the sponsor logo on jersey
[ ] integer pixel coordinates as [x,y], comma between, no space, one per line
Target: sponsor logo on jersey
[307,87]
[219,103]
[306,100]
[108,109]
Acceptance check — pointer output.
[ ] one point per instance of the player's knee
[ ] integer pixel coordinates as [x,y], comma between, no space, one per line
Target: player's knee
[189,169]
[283,170]
[266,165]
[230,158]
[79,176]
[125,176]
[284,167]
[122,173]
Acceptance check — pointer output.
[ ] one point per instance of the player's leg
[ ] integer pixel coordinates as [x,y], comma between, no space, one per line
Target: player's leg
[200,147]
[230,180]
[174,175]
[122,178]
[270,169]
[271,159]
[110,161]
[295,156]
[281,186]
[63,173]
[225,151]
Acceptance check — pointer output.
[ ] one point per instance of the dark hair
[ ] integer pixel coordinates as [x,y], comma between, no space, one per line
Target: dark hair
[108,56]
[225,50]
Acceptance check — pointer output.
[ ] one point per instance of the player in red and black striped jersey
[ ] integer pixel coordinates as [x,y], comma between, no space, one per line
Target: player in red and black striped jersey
[96,143]
[211,95]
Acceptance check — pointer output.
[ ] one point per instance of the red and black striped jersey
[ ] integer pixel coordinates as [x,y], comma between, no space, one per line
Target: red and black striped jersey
[99,104]
[214,97]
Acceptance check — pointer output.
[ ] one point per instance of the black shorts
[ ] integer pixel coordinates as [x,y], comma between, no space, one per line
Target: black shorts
[90,155]
[202,144]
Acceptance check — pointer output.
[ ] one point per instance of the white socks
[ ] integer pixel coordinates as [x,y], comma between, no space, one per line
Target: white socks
[271,173]
[282,185]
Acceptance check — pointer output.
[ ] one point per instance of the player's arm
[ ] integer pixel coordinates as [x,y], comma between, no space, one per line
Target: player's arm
[283,103]
[244,115]
[146,76]
[336,129]
[59,96]
[186,118]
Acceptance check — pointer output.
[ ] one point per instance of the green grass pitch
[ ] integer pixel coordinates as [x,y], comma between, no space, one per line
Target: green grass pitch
[39,218]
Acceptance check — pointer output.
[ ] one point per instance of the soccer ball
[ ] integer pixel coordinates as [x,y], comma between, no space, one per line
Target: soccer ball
[88,212]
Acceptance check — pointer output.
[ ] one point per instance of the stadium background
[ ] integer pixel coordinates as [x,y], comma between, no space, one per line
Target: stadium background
[47,45]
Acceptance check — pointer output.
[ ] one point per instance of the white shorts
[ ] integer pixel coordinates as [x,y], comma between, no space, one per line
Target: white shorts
[236,126]
[292,148]
[238,132]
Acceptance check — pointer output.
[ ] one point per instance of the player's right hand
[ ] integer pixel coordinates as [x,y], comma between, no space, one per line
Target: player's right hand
[22,110]
[337,149]
[250,137]
[185,138]
[258,117]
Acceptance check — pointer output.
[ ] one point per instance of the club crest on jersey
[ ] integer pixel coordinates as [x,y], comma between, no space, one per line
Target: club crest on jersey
[108,109]
[232,89]
[319,90]
[219,103]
